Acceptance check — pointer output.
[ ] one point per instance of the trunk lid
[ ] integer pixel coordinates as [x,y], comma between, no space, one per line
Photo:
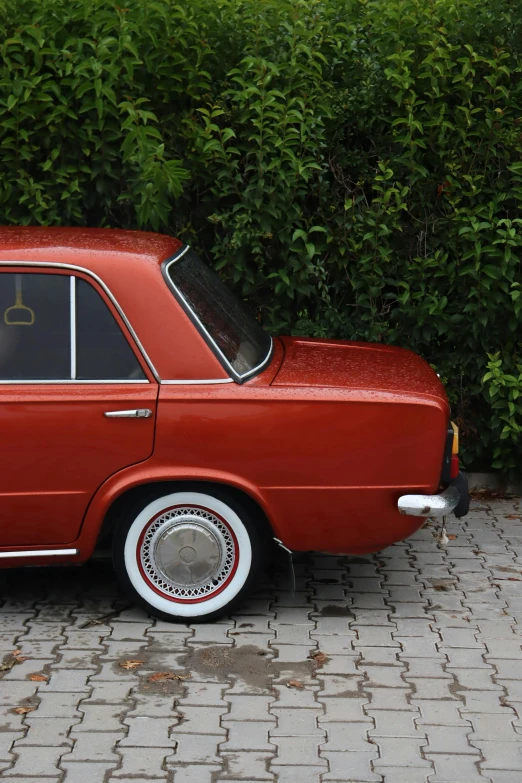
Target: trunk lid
[352,365]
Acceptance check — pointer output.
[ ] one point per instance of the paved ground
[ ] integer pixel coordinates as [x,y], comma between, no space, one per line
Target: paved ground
[421,677]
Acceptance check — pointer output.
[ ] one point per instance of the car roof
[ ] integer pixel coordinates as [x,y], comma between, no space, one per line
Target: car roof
[67,244]
[128,263]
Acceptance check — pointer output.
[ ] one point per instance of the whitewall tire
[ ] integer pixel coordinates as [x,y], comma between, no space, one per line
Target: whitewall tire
[188,555]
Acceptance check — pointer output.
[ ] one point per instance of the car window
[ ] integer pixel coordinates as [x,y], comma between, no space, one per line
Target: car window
[232,331]
[57,327]
[102,350]
[34,327]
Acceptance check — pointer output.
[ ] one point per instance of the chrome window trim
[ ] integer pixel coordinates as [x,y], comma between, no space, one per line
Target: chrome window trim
[203,331]
[38,553]
[93,276]
[75,382]
[198,381]
[72,317]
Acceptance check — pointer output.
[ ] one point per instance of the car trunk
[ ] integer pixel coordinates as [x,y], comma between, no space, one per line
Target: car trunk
[351,365]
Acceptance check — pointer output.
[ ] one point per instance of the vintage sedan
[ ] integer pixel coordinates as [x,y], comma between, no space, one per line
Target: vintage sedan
[140,400]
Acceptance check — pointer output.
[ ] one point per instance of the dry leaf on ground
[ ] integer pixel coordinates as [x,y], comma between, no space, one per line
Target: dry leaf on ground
[513,516]
[319,657]
[452,536]
[131,664]
[7,665]
[23,710]
[295,684]
[38,677]
[161,676]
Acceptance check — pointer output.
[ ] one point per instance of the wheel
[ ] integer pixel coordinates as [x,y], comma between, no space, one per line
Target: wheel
[187,556]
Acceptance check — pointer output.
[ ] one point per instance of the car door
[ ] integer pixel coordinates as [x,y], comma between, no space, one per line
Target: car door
[77,401]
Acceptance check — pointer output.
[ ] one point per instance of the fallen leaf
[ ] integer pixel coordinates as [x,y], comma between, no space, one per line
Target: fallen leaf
[131,664]
[7,665]
[295,684]
[161,676]
[16,653]
[38,677]
[452,536]
[513,579]
[23,710]
[319,657]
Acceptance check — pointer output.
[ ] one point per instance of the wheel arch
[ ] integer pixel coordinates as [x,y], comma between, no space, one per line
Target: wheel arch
[130,497]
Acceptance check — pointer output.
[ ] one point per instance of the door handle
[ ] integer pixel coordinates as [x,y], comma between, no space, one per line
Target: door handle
[137,413]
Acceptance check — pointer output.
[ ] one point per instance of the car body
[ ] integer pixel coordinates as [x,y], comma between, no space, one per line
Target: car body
[324,445]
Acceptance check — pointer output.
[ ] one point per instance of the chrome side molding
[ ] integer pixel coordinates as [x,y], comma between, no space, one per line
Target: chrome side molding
[429,505]
[39,553]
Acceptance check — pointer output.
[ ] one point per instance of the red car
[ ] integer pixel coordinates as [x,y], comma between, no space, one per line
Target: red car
[140,399]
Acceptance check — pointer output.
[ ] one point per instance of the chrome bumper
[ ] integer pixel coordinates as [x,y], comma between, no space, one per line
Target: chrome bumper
[430,505]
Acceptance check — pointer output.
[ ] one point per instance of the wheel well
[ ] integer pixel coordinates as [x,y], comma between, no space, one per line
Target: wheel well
[144,492]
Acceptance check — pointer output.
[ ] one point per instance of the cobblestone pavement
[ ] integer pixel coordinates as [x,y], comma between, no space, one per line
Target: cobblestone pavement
[404,667]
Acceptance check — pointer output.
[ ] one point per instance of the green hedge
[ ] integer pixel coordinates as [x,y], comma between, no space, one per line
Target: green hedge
[353,167]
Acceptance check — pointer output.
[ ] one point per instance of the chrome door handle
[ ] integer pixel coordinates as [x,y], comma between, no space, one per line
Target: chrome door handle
[137,413]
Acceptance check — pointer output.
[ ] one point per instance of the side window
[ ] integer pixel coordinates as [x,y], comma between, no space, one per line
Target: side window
[102,350]
[35,332]
[56,327]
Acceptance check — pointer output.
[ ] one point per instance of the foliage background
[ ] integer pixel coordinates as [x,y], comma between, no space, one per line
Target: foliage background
[353,167]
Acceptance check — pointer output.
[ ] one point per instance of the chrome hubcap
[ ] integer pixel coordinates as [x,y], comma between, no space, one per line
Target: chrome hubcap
[187,553]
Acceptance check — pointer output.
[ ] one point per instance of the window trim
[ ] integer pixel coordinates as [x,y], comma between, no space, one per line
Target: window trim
[214,347]
[72,329]
[87,272]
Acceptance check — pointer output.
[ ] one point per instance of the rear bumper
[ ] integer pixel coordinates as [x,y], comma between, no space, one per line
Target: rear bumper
[454,499]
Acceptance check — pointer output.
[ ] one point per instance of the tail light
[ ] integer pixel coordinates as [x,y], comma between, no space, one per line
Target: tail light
[450,464]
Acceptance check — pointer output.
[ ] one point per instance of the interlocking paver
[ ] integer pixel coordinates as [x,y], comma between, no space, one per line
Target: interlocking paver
[343,710]
[7,740]
[196,773]
[500,755]
[289,696]
[351,766]
[52,732]
[347,737]
[148,732]
[249,708]
[296,722]
[84,771]
[439,712]
[99,717]
[422,681]
[201,720]
[196,749]
[453,768]
[401,752]
[394,723]
[95,746]
[141,762]
[56,705]
[448,739]
[493,727]
[41,761]
[247,765]
[67,681]
[247,735]
[298,751]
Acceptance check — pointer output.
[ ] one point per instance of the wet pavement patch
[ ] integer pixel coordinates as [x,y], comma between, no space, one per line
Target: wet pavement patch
[336,610]
[248,663]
